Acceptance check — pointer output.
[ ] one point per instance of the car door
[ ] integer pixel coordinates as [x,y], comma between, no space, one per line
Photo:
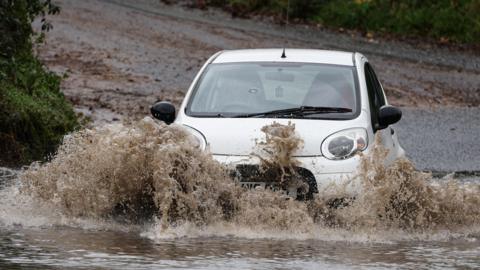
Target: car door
[377,99]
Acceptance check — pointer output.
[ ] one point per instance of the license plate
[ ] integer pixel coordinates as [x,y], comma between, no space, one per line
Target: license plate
[270,186]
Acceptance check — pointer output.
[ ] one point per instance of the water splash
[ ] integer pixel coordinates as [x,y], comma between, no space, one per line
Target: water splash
[411,199]
[281,143]
[277,157]
[150,172]
[138,171]
[398,196]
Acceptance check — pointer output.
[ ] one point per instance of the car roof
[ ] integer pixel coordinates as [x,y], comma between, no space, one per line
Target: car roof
[292,55]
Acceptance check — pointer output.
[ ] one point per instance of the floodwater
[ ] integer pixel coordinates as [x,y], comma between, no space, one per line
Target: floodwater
[65,214]
[73,248]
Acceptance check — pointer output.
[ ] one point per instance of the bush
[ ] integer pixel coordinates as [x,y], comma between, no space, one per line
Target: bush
[457,21]
[34,115]
[454,20]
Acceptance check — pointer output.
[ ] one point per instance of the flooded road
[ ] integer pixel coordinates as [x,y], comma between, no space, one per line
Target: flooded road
[65,214]
[121,56]
[71,248]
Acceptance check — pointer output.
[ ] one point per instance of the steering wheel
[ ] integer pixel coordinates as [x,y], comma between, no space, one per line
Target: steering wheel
[236,107]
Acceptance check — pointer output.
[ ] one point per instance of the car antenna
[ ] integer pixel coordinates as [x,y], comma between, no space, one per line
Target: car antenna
[285,31]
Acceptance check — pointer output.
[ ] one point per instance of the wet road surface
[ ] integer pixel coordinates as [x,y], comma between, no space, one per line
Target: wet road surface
[121,56]
[64,248]
[442,139]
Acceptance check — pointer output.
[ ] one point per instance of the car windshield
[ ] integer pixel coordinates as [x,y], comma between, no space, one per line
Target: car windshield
[275,90]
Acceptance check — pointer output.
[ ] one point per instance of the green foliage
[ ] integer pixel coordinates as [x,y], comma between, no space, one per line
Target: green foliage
[34,115]
[15,24]
[443,19]
[455,20]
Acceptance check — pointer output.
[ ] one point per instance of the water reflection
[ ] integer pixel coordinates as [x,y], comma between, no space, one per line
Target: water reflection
[63,247]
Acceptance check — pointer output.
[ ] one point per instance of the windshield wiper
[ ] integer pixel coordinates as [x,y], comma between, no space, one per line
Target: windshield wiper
[303,110]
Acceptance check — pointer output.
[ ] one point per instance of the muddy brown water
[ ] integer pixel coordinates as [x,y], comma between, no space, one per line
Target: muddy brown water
[71,248]
[64,214]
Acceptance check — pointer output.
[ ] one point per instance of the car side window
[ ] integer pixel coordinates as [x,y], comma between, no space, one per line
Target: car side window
[375,94]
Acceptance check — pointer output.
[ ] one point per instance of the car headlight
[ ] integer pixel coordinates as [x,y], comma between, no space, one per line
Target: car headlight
[345,143]
[200,140]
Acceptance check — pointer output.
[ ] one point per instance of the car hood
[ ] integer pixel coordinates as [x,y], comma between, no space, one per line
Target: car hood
[239,136]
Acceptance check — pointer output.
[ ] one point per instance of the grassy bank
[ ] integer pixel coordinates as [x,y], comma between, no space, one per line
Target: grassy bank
[455,21]
[34,114]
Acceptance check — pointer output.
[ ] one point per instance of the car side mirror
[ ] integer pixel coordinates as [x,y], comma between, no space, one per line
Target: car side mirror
[164,111]
[388,115]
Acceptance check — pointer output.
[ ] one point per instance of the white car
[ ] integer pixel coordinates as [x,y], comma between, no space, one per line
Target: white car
[334,99]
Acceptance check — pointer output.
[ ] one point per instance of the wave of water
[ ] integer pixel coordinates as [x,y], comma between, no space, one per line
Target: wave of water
[152,178]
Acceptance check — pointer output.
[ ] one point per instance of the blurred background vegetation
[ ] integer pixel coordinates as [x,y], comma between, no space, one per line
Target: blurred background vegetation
[455,21]
[34,114]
